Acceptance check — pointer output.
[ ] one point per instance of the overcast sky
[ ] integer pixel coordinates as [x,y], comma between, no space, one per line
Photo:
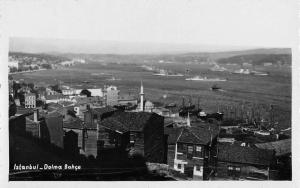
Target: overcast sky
[266,23]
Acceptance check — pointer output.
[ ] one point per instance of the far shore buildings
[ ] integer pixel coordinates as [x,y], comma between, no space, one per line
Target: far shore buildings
[13,63]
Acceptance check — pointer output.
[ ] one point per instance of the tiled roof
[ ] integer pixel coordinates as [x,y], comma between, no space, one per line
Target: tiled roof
[247,155]
[173,134]
[114,125]
[104,110]
[73,123]
[53,114]
[280,147]
[200,133]
[29,94]
[133,121]
[66,103]
[53,97]
[54,105]
[84,100]
[22,110]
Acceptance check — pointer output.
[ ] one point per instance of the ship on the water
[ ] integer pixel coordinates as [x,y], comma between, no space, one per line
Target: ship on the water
[215,87]
[163,72]
[199,78]
[258,73]
[113,79]
[218,68]
[242,71]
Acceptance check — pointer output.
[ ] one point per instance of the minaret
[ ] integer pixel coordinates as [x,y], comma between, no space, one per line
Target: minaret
[188,121]
[142,97]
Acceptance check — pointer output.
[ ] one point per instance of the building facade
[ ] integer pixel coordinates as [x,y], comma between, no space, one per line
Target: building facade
[30,100]
[111,94]
[195,150]
[139,133]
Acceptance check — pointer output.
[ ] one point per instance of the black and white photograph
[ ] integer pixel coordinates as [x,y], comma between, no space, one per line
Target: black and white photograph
[191,90]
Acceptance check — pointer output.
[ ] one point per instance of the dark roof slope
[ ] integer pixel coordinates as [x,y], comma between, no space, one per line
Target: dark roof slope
[22,110]
[281,147]
[246,155]
[131,121]
[73,123]
[173,134]
[114,125]
[199,133]
[104,110]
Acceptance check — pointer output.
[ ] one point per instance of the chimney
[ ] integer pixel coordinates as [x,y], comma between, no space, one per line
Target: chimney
[35,115]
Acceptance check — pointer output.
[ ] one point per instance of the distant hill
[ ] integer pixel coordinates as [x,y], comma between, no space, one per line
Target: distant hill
[258,59]
[226,54]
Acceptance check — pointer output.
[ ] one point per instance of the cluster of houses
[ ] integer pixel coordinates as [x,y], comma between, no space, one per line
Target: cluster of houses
[108,127]
[20,62]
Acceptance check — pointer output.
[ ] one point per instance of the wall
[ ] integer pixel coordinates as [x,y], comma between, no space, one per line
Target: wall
[154,140]
[245,171]
[55,128]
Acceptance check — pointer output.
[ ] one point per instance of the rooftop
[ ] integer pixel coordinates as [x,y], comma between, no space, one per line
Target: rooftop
[281,147]
[242,154]
[103,110]
[73,123]
[22,110]
[198,133]
[128,121]
[53,97]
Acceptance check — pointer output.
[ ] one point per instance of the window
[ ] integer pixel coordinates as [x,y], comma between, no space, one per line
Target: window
[132,138]
[190,149]
[234,171]
[180,148]
[198,148]
[190,152]
[198,167]
[179,166]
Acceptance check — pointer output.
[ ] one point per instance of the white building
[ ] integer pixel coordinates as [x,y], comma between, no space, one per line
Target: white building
[96,92]
[111,94]
[13,63]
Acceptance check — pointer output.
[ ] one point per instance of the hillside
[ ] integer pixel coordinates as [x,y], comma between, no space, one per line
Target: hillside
[258,59]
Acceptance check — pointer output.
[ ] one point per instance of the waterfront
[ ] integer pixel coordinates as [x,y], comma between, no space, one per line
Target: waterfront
[240,89]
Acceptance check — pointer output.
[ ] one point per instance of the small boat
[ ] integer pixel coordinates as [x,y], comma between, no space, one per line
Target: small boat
[257,73]
[215,88]
[242,71]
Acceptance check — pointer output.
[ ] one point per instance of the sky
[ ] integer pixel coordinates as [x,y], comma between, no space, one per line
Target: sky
[257,23]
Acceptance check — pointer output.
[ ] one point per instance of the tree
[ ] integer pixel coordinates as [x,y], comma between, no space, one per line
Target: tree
[56,88]
[86,92]
[46,66]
